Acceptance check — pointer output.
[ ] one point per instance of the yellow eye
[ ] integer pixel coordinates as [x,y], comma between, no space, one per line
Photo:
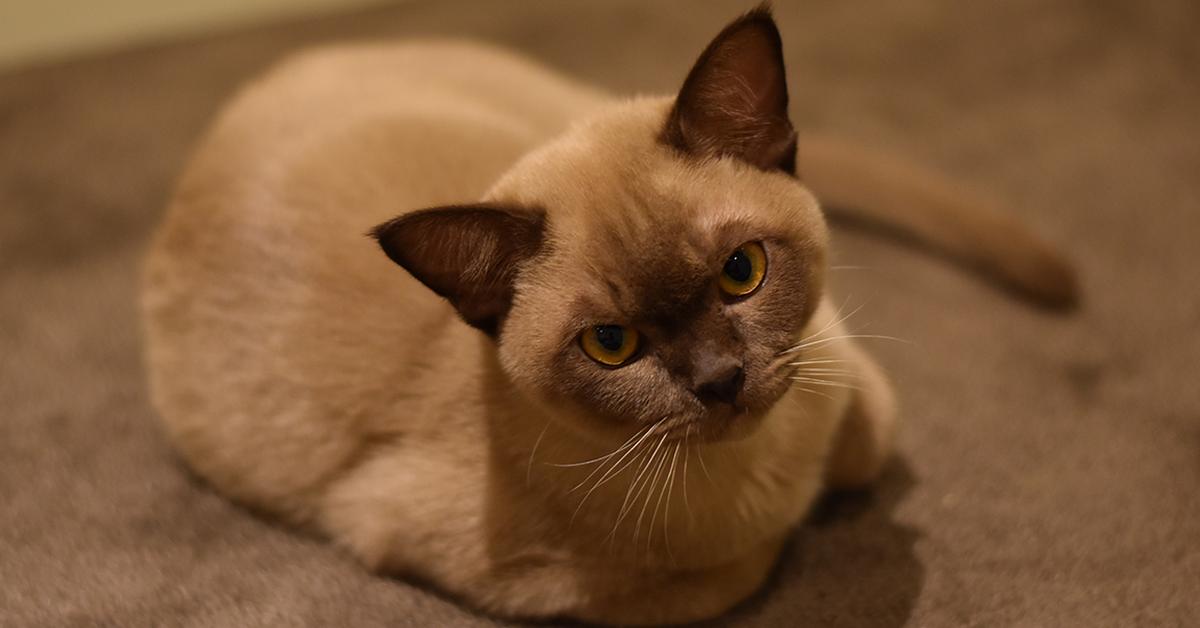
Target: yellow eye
[610,345]
[744,270]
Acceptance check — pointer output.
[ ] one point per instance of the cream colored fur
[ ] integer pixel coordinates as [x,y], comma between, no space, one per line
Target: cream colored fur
[301,372]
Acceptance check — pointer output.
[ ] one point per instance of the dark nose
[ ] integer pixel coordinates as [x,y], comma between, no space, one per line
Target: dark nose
[720,384]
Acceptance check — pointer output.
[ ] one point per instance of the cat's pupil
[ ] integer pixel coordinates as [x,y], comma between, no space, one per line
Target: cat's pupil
[611,337]
[738,266]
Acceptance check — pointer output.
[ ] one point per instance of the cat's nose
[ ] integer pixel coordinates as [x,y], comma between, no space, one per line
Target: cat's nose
[721,385]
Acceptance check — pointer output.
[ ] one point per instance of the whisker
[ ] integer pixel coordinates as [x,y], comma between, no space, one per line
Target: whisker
[605,456]
[815,392]
[825,382]
[667,508]
[604,470]
[703,467]
[841,372]
[643,470]
[833,321]
[687,453]
[630,495]
[820,381]
[821,361]
[812,366]
[597,469]
[823,341]
[613,470]
[603,480]
[831,363]
[649,495]
[643,464]
[536,443]
[658,504]
[847,317]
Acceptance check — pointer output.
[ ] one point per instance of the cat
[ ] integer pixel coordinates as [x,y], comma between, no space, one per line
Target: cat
[607,381]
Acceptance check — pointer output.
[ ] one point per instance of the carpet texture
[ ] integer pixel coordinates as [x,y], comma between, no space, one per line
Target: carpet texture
[1049,467]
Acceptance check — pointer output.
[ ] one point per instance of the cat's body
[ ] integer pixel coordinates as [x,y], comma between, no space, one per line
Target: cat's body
[300,372]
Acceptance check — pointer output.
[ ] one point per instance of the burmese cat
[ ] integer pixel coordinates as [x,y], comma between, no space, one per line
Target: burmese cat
[610,381]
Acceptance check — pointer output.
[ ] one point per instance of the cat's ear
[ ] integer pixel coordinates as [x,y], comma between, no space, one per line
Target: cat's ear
[734,101]
[467,254]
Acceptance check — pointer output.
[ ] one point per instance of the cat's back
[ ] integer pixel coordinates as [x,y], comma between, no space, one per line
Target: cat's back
[276,331]
[450,115]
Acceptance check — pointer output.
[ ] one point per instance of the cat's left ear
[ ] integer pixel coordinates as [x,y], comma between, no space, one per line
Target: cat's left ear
[734,101]
[467,254]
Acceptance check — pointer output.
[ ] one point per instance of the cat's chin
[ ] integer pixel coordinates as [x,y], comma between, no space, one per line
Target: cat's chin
[720,425]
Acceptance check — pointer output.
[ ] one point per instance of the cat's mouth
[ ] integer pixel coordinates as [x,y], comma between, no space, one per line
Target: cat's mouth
[728,421]
[724,422]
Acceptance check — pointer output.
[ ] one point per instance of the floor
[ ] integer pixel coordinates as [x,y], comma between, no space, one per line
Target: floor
[1049,466]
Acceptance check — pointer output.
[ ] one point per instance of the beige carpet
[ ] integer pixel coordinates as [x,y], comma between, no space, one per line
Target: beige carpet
[1050,466]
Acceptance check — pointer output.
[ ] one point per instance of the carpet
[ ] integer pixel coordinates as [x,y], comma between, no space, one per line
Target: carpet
[1049,465]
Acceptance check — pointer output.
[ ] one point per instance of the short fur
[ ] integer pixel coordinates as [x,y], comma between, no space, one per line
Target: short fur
[443,423]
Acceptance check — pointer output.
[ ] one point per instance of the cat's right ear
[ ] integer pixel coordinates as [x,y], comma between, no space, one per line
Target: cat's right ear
[467,254]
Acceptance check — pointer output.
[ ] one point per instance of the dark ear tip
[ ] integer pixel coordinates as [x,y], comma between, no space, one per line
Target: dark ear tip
[763,14]
[760,21]
[763,10]
[380,230]
[382,234]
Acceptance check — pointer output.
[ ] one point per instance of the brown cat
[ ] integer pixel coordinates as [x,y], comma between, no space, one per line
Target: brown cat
[610,382]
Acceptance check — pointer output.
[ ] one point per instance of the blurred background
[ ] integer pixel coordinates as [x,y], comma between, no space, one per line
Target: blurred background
[1049,466]
[50,29]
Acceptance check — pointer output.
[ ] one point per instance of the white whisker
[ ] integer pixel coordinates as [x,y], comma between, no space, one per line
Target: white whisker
[644,462]
[687,453]
[645,433]
[836,372]
[822,361]
[613,470]
[834,321]
[661,493]
[630,495]
[815,392]
[605,456]
[667,507]
[824,341]
[536,443]
[703,467]
[649,495]
[824,382]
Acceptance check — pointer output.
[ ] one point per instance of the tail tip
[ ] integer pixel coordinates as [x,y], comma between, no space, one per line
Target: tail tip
[1054,285]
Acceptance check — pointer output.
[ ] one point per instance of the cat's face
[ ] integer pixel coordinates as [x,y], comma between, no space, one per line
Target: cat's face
[651,264]
[666,286]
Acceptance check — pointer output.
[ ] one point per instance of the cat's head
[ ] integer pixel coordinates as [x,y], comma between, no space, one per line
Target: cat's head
[651,263]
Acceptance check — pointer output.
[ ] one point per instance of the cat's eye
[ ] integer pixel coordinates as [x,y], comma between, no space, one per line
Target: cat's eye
[744,270]
[610,345]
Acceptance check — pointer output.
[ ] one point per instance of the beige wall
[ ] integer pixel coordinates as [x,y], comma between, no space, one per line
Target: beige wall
[32,30]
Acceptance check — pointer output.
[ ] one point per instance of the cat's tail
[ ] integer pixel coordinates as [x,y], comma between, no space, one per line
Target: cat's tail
[873,187]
